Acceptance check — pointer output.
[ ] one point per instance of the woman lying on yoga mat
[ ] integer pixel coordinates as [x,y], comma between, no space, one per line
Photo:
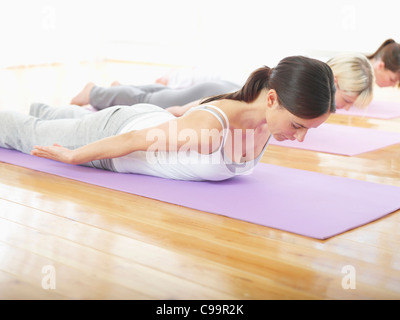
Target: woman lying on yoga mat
[223,137]
[386,63]
[158,94]
[354,79]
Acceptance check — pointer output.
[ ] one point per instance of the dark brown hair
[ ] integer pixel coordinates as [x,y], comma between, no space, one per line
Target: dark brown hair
[389,53]
[305,86]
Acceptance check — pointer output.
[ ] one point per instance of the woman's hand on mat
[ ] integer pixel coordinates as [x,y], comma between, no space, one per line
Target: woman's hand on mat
[55,152]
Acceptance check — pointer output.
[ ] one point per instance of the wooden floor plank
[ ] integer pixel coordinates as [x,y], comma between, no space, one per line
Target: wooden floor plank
[24,277]
[13,288]
[114,269]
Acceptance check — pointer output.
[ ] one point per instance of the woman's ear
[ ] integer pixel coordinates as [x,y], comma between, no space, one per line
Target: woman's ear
[272,98]
[380,65]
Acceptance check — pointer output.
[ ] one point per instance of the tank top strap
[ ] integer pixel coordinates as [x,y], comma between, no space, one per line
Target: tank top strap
[218,114]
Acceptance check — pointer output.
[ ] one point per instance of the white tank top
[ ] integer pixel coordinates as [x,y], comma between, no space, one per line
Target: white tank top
[180,165]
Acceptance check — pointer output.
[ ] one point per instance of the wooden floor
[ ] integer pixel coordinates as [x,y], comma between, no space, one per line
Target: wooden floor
[95,243]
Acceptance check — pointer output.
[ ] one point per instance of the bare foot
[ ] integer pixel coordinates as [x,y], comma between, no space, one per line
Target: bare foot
[162,80]
[83,97]
[115,83]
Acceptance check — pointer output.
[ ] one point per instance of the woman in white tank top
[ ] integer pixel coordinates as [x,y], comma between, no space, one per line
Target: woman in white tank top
[225,136]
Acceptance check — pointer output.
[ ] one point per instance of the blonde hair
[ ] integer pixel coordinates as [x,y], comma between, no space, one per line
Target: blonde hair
[354,75]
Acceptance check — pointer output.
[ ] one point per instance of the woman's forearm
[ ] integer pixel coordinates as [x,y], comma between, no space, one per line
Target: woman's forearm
[107,148]
[111,147]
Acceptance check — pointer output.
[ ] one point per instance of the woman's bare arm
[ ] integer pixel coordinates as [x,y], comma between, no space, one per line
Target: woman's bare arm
[170,136]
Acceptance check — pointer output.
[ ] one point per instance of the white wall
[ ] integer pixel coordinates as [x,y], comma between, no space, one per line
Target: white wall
[226,34]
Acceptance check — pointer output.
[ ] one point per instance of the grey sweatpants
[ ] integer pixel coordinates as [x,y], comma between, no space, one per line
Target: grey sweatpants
[70,126]
[157,94]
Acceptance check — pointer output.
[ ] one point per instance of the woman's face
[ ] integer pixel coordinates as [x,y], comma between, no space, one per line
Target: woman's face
[385,77]
[284,125]
[344,100]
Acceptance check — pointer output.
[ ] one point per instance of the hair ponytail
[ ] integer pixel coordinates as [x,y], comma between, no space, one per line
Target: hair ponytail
[389,53]
[305,86]
[378,52]
[257,81]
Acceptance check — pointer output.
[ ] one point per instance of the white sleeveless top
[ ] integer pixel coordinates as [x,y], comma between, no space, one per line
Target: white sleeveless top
[181,165]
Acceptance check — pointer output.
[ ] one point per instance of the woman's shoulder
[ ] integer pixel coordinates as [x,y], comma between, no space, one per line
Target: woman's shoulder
[207,116]
[226,106]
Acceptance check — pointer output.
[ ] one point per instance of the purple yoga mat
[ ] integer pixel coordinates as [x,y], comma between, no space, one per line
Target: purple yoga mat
[343,140]
[377,109]
[302,202]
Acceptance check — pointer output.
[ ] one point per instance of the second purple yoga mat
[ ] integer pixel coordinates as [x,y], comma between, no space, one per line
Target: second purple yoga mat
[377,109]
[306,203]
[343,140]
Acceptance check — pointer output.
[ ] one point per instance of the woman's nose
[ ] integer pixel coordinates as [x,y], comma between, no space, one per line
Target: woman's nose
[300,135]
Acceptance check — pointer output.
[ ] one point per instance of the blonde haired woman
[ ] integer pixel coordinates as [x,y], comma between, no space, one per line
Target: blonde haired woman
[354,80]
